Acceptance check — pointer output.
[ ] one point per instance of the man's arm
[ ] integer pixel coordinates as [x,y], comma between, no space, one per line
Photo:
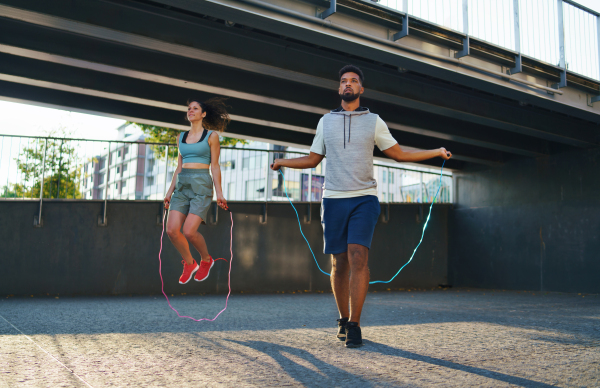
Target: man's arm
[310,161]
[396,153]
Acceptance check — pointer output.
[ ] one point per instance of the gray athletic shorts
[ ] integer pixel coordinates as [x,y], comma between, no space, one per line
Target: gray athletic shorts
[193,192]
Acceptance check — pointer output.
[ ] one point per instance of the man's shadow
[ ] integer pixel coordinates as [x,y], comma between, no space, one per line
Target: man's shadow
[386,350]
[327,376]
[330,375]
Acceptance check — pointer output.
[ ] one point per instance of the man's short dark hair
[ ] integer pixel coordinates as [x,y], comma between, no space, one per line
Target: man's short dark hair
[352,69]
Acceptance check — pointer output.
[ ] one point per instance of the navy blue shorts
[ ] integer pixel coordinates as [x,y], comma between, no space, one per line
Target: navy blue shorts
[348,221]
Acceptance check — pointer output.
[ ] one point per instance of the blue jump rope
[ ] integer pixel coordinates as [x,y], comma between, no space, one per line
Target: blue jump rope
[401,268]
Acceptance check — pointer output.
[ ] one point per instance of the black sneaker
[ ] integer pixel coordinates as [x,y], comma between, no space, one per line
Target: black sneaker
[353,335]
[342,328]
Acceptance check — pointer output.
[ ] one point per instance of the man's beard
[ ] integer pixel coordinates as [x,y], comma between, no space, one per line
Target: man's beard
[349,97]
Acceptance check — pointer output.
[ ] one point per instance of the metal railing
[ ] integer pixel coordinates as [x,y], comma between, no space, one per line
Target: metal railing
[37,168]
[559,32]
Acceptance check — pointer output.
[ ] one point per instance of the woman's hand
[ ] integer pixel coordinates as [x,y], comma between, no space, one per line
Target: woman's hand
[222,202]
[444,154]
[167,199]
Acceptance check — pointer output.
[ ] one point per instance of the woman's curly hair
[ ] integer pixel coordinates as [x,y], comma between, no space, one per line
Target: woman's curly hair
[217,116]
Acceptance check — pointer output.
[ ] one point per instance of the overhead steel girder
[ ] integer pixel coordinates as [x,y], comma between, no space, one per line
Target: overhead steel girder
[138,41]
[168,118]
[296,25]
[470,154]
[95,79]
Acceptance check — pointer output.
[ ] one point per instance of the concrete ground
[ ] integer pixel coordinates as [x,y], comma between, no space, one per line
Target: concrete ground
[452,338]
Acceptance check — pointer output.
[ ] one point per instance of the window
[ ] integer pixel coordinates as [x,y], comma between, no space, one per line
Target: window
[101,179]
[118,169]
[150,180]
[255,189]
[254,161]
[231,190]
[391,177]
[384,175]
[125,150]
[124,167]
[119,153]
[228,164]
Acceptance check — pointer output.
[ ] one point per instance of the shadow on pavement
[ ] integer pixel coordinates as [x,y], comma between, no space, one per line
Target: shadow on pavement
[390,351]
[327,376]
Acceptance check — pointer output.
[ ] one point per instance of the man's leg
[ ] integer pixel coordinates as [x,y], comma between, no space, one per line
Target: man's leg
[340,272]
[358,261]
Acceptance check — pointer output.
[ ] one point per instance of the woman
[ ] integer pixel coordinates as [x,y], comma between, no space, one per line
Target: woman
[190,194]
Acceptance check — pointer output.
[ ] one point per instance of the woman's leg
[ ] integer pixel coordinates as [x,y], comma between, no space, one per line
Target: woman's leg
[190,231]
[174,223]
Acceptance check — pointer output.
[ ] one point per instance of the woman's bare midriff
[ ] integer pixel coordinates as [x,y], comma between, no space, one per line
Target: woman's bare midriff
[197,166]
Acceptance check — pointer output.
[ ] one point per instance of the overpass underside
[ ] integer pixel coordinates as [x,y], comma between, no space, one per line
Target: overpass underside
[278,63]
[526,157]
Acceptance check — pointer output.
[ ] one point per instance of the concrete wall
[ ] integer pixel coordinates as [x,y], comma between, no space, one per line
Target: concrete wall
[531,224]
[71,254]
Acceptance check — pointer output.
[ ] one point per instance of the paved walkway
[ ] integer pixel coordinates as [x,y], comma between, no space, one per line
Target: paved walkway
[453,338]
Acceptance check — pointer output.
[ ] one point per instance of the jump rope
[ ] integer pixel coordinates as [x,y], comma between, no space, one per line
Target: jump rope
[305,239]
[162,283]
[401,268]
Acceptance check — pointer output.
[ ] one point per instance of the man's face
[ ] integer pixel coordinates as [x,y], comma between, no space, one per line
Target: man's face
[350,87]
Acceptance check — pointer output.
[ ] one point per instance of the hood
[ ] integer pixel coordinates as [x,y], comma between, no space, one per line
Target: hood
[361,110]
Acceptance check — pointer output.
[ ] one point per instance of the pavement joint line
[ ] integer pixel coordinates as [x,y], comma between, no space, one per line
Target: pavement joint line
[44,350]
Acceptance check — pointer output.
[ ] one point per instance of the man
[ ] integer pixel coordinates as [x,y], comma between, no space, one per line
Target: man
[350,206]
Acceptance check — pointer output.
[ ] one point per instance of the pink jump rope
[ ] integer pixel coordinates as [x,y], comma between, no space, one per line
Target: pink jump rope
[228,276]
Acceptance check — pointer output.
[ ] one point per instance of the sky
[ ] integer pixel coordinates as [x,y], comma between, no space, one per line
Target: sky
[29,120]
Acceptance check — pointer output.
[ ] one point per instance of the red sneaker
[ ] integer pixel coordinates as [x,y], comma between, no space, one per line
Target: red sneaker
[205,267]
[188,271]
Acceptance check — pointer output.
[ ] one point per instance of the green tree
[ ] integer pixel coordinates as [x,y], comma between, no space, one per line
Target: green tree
[155,134]
[61,172]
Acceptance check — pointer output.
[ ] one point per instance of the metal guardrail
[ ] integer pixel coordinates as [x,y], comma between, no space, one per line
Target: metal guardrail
[38,168]
[561,33]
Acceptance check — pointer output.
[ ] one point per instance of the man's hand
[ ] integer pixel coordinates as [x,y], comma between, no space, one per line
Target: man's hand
[445,154]
[275,165]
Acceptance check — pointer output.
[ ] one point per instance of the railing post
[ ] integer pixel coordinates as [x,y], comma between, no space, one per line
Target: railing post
[330,11]
[38,222]
[166,169]
[102,219]
[465,50]
[388,184]
[597,98]
[308,216]
[518,62]
[465,10]
[263,218]
[561,46]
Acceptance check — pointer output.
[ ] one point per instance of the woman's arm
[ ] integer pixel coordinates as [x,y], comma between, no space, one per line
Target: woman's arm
[215,151]
[399,155]
[310,161]
[169,193]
